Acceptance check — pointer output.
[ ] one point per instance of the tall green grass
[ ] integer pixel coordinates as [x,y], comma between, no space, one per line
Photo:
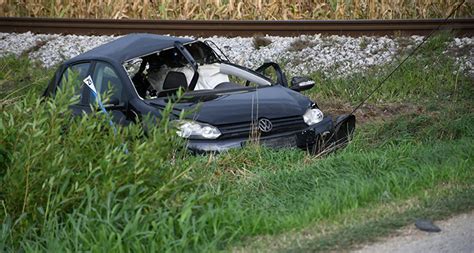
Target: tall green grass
[67,184]
[60,173]
[429,75]
[105,205]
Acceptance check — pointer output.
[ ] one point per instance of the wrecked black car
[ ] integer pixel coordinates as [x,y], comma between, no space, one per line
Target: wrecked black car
[225,105]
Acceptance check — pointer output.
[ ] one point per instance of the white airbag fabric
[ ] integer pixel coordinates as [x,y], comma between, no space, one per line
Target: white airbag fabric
[238,72]
[209,76]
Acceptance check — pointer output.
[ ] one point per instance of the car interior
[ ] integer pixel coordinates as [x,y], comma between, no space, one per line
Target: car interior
[163,73]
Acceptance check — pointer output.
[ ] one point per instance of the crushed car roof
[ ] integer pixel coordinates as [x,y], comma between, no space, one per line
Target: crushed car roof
[130,46]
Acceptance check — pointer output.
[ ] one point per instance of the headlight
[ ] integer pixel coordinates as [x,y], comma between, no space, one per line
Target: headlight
[196,130]
[313,116]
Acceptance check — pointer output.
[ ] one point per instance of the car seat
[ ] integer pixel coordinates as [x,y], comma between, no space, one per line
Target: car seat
[173,81]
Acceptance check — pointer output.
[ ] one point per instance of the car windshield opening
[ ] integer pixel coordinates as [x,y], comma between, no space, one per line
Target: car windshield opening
[163,73]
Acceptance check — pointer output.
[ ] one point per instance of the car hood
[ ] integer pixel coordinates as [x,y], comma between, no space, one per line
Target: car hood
[227,107]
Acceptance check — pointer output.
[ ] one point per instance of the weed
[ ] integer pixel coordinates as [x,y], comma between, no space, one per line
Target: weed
[364,42]
[300,44]
[427,76]
[67,185]
[261,41]
[18,76]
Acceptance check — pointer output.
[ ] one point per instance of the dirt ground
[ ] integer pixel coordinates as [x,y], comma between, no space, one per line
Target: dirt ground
[370,112]
[457,235]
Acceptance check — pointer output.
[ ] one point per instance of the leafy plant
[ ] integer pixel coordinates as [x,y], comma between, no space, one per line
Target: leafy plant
[67,184]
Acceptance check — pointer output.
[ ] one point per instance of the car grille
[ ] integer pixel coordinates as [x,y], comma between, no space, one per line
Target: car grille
[280,125]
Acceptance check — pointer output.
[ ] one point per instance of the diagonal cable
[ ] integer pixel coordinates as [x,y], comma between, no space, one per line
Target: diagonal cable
[406,58]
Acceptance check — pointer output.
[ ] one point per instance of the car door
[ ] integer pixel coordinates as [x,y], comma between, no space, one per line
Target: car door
[111,92]
[73,75]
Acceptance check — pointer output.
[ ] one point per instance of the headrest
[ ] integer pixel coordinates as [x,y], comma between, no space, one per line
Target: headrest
[174,80]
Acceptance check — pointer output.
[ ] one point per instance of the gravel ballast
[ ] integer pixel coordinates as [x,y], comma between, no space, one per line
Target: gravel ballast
[331,55]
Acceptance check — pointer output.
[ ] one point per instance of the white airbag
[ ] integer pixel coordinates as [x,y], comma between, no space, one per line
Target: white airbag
[238,72]
[209,77]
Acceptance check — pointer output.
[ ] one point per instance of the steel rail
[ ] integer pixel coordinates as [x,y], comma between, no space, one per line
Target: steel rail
[462,26]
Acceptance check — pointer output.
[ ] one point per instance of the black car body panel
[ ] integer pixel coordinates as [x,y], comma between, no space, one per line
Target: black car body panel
[129,47]
[240,106]
[300,136]
[267,112]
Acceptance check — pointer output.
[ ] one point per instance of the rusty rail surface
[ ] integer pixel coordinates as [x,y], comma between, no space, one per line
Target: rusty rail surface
[461,26]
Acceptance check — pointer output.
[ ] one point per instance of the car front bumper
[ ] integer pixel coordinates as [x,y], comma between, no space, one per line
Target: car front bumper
[326,131]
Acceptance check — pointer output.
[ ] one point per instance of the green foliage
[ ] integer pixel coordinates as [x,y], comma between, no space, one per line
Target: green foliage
[67,184]
[63,175]
[18,75]
[428,75]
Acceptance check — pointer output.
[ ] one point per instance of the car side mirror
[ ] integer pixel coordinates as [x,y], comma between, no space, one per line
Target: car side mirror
[301,83]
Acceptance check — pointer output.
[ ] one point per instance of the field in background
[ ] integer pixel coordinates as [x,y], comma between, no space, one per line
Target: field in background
[74,189]
[239,10]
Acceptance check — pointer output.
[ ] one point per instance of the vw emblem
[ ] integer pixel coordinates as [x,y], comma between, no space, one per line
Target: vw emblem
[265,125]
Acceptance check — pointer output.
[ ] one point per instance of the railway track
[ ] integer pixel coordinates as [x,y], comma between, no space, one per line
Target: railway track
[462,26]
